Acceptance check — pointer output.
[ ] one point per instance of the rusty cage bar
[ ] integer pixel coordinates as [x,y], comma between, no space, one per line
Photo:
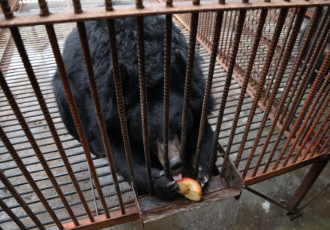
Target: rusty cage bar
[271,115]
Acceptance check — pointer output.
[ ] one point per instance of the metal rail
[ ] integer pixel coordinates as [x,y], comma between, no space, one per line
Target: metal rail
[246,101]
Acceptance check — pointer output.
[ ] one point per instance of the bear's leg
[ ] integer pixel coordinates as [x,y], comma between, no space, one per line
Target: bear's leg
[203,173]
[163,187]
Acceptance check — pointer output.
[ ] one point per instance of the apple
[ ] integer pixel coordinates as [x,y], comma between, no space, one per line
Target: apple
[190,188]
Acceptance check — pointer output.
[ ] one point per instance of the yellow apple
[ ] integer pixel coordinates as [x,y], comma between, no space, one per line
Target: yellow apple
[190,188]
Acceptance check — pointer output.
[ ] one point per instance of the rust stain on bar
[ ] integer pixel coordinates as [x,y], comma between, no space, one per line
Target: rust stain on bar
[74,111]
[13,217]
[262,81]
[247,75]
[229,76]
[311,28]
[187,89]
[303,110]
[306,61]
[143,99]
[44,11]
[46,113]
[207,94]
[98,109]
[208,86]
[301,90]
[167,85]
[48,118]
[315,122]
[120,98]
[281,53]
[285,61]
[21,202]
[34,145]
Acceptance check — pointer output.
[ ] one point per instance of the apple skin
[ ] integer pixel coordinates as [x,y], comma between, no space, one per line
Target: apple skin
[190,188]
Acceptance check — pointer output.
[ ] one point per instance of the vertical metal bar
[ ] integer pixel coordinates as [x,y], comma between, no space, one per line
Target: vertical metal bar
[304,109]
[281,53]
[12,215]
[207,27]
[143,99]
[230,19]
[261,23]
[211,31]
[167,86]
[315,112]
[233,56]
[44,11]
[325,130]
[306,61]
[302,50]
[25,59]
[285,61]
[169,3]
[21,202]
[319,140]
[108,5]
[324,146]
[6,9]
[195,2]
[120,98]
[187,89]
[306,184]
[74,112]
[311,71]
[35,146]
[315,122]
[48,118]
[77,6]
[231,35]
[203,120]
[5,140]
[202,26]
[223,34]
[139,4]
[98,109]
[270,54]
[301,90]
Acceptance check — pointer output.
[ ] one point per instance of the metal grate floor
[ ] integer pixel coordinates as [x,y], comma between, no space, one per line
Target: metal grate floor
[42,60]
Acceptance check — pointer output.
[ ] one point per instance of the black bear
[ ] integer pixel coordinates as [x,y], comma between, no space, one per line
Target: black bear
[319,64]
[126,34]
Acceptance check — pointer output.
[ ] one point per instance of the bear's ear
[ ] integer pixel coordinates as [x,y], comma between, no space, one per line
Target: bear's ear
[179,62]
[123,75]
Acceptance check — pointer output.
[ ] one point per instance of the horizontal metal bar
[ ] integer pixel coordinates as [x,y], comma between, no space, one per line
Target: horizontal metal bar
[102,222]
[28,19]
[65,218]
[250,181]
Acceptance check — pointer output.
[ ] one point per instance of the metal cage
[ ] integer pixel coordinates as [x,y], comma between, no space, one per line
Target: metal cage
[268,119]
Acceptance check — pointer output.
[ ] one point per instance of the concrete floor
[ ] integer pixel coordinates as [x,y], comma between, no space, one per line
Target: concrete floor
[253,212]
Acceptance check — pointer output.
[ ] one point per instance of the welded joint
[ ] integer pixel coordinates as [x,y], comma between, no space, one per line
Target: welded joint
[136,201]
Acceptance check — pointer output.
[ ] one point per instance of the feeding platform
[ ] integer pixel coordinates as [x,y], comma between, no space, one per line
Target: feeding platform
[153,208]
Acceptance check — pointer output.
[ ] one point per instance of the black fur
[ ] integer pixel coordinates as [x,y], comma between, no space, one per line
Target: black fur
[154,29]
[319,64]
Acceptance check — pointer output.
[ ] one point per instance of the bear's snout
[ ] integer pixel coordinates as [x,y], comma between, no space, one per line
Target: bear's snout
[174,148]
[175,164]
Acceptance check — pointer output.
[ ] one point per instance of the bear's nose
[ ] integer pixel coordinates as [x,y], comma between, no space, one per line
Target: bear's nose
[175,163]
